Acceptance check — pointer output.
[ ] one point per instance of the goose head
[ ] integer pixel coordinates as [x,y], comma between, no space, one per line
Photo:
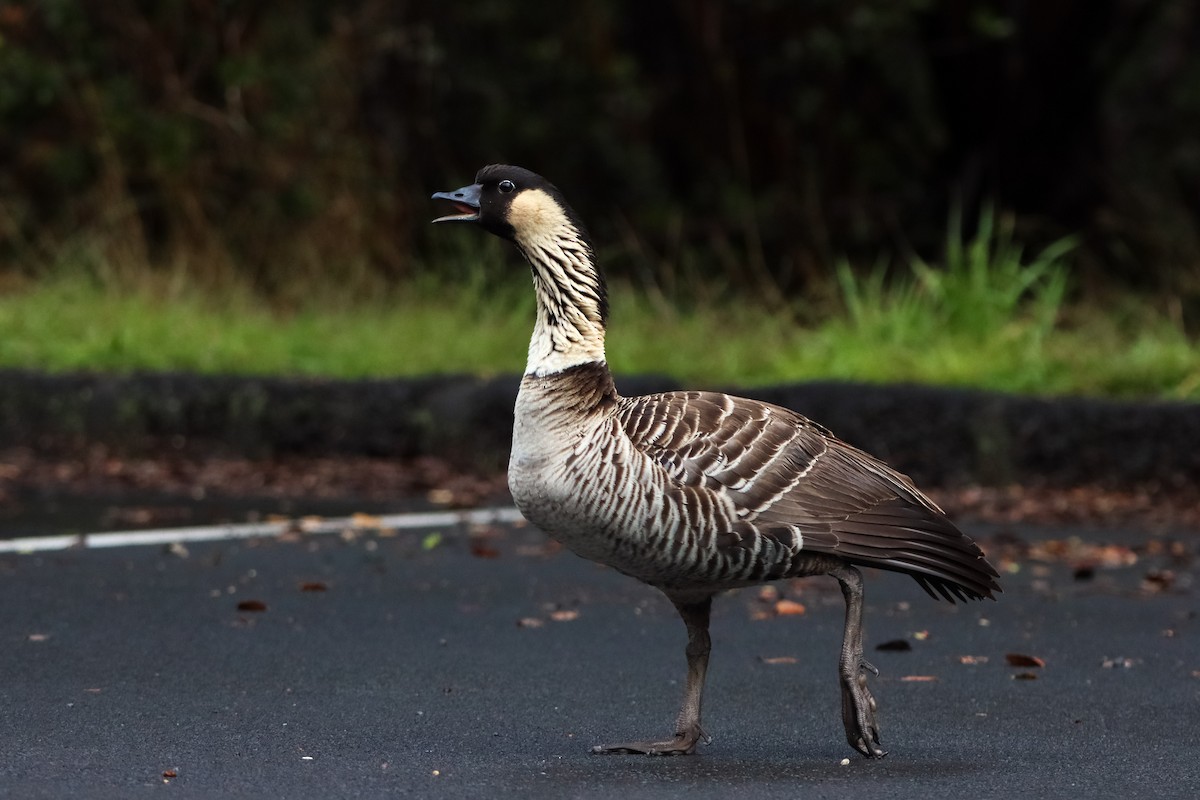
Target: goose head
[513,203]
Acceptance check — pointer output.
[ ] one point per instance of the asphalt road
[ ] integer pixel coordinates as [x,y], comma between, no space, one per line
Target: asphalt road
[399,666]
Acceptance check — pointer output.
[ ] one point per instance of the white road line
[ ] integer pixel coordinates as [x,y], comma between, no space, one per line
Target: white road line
[306,525]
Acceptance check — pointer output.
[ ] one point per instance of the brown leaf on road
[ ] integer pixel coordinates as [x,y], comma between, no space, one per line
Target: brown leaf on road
[564,615]
[530,622]
[482,549]
[1022,660]
[252,605]
[363,521]
[1159,580]
[314,586]
[972,659]
[789,608]
[1025,676]
[311,523]
[1080,553]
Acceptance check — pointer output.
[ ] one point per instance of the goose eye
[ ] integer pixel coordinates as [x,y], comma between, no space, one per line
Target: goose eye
[506,186]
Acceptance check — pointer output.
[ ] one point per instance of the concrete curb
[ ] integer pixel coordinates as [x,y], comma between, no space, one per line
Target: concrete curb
[941,437]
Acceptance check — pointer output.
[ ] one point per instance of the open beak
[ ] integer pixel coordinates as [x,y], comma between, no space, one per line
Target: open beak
[465,201]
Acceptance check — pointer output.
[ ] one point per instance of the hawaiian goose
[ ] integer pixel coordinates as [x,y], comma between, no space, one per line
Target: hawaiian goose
[695,492]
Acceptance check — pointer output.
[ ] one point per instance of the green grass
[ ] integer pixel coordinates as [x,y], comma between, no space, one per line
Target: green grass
[990,317]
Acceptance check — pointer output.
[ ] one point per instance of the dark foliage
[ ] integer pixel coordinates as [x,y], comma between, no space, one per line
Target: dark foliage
[769,136]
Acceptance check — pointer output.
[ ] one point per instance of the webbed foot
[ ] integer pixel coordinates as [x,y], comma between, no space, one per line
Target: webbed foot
[682,744]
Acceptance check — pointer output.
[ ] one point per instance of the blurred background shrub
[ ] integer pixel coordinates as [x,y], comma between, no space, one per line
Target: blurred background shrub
[756,143]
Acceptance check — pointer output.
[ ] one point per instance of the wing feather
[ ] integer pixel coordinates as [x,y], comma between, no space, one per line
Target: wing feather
[783,472]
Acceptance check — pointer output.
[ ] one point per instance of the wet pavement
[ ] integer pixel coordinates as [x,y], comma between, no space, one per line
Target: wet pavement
[480,663]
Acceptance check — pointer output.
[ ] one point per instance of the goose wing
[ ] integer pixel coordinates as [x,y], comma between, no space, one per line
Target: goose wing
[788,477]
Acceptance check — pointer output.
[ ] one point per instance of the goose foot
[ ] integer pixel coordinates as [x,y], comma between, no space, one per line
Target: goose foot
[858,705]
[682,744]
[858,713]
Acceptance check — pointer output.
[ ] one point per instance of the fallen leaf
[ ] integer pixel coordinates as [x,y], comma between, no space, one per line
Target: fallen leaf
[789,608]
[431,540]
[921,636]
[1025,676]
[972,659]
[251,605]
[1159,580]
[530,622]
[366,521]
[894,645]
[564,615]
[918,678]
[481,549]
[38,637]
[314,586]
[1022,660]
[311,523]
[170,773]
[777,659]
[1116,555]
[1075,550]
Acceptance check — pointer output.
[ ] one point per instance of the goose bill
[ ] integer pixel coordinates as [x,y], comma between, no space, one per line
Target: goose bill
[466,214]
[465,201]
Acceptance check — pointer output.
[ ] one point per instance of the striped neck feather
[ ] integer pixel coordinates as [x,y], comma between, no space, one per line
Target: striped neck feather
[572,303]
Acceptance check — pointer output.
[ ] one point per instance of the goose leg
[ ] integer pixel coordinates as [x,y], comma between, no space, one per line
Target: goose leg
[687,725]
[858,706]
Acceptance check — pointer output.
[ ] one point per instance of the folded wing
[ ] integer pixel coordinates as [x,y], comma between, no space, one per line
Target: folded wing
[783,472]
